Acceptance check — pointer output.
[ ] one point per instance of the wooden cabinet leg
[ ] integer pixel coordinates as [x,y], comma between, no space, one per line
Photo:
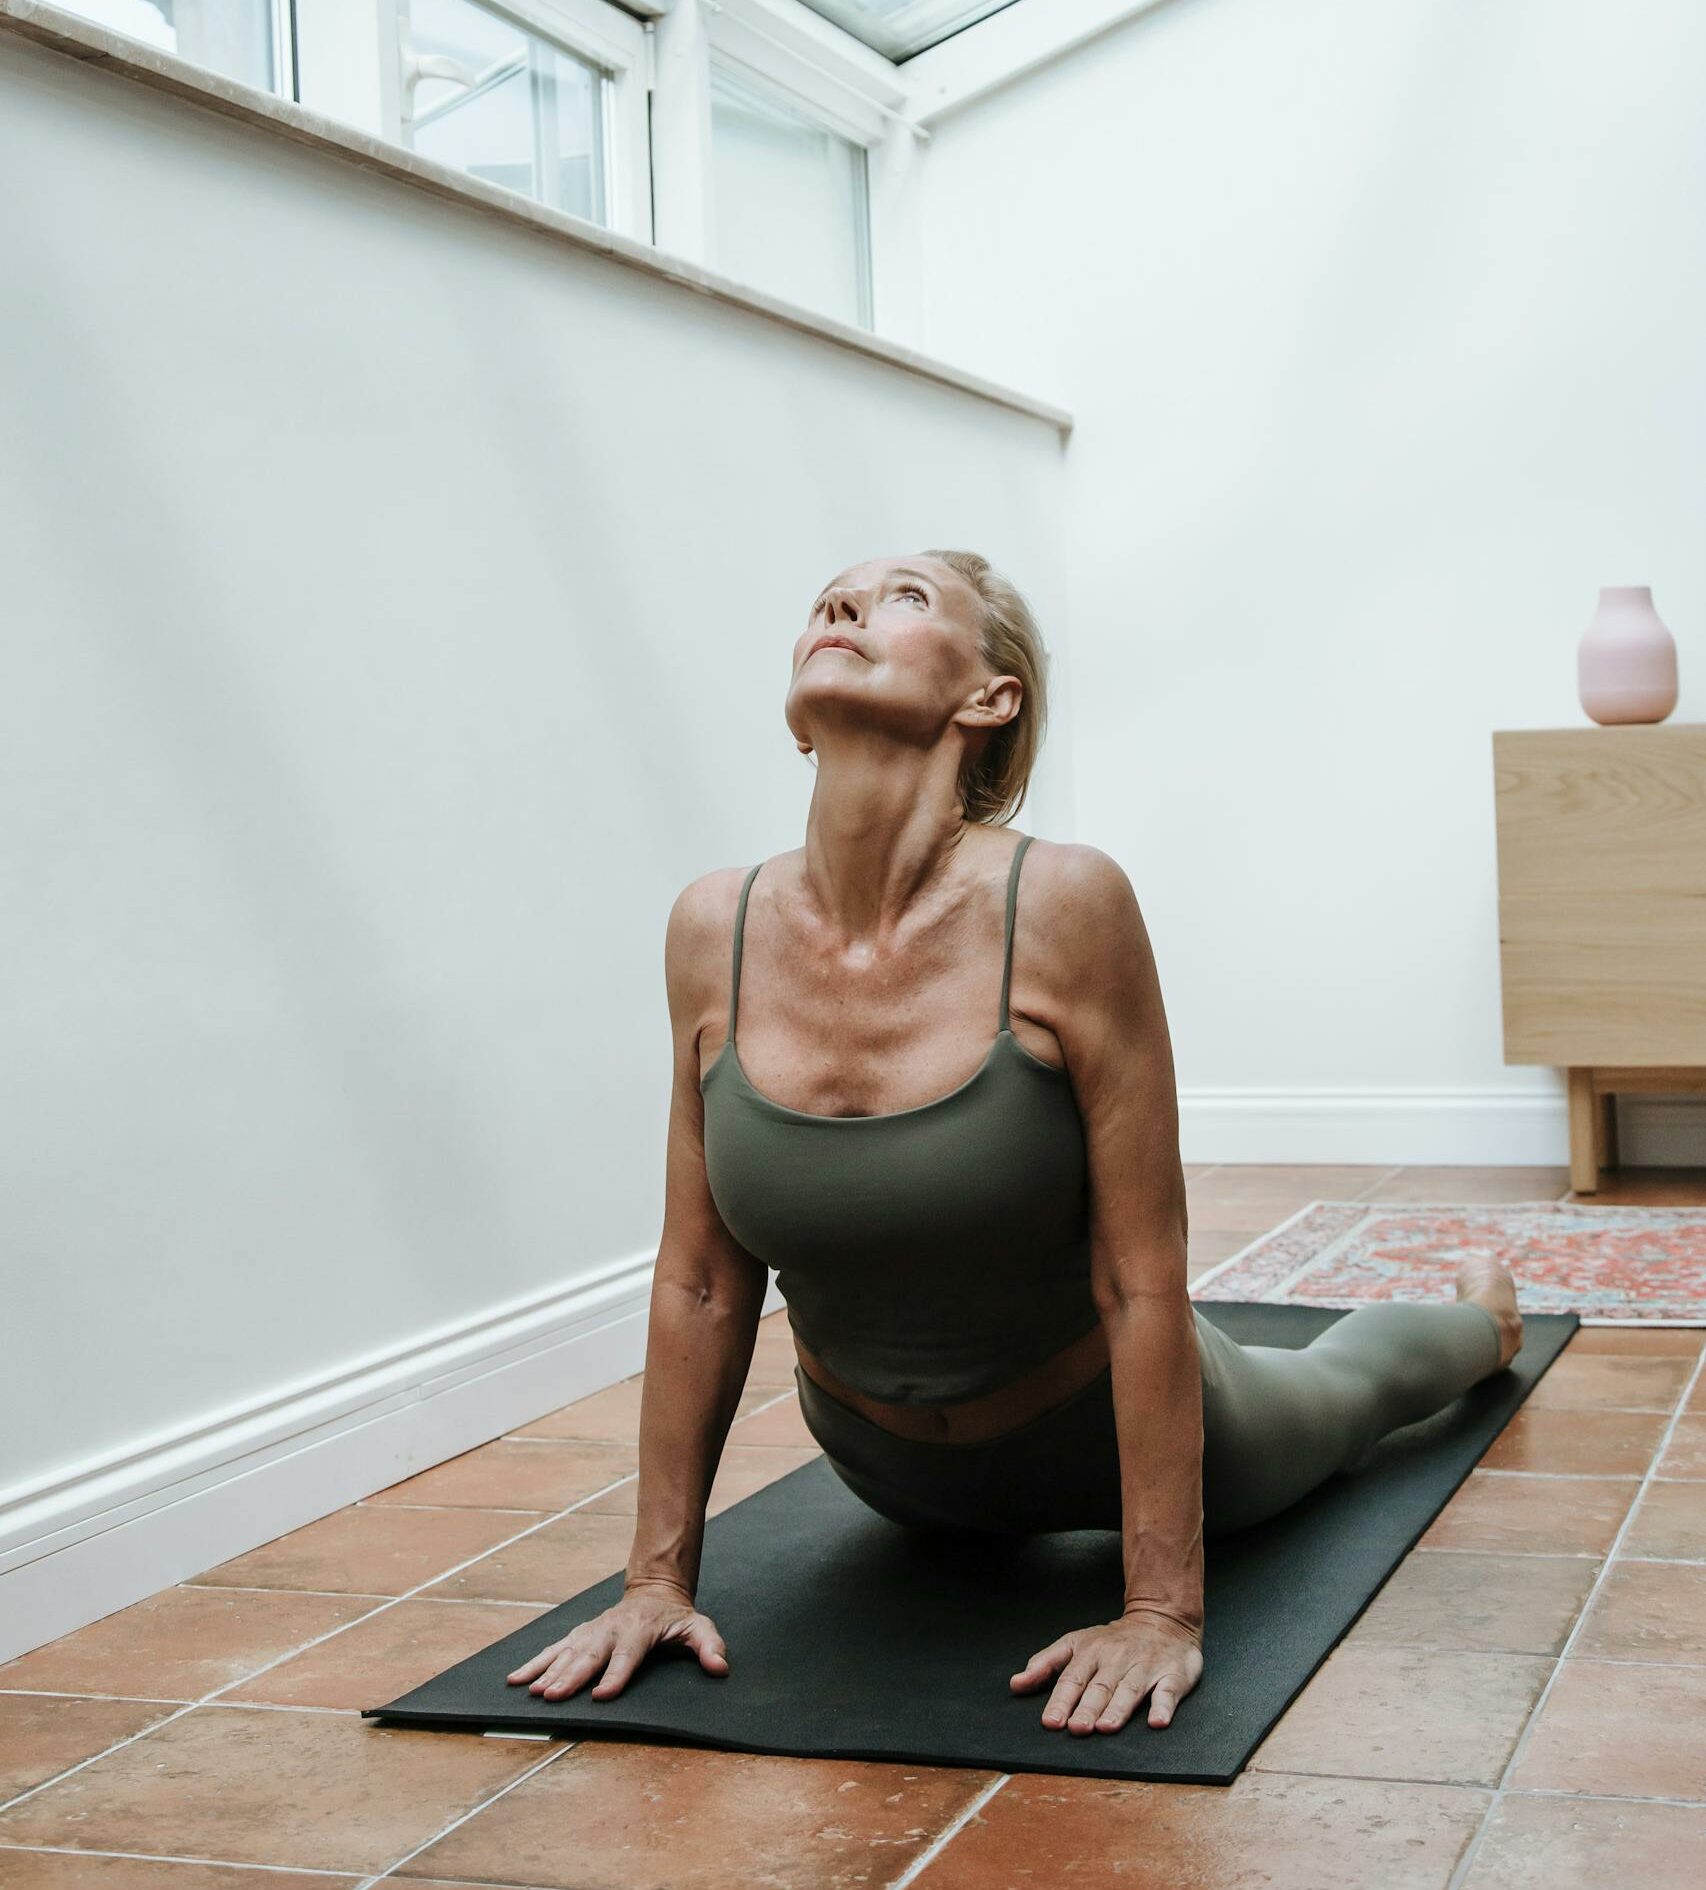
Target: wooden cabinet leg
[1584,1164]
[1605,1124]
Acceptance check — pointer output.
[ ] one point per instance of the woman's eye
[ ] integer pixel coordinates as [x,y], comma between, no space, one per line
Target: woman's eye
[915,591]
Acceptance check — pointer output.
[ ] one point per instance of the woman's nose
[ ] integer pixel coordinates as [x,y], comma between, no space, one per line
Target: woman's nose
[844,604]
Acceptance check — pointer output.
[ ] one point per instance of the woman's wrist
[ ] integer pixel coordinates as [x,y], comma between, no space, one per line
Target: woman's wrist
[1185,1616]
[667,1543]
[674,1583]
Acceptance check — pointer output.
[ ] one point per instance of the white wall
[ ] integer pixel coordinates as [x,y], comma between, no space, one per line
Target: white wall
[1383,330]
[398,609]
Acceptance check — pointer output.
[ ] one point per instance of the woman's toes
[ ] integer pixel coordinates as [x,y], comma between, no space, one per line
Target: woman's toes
[1490,1285]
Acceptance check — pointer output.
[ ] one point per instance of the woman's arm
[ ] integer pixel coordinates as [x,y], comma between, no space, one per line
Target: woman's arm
[1120,1056]
[706,1295]
[1098,974]
[706,1288]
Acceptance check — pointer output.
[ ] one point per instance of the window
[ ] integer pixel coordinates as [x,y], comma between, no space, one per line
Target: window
[239,38]
[746,135]
[789,207]
[486,95]
[900,28]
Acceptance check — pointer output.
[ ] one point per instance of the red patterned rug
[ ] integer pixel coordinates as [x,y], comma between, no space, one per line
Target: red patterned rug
[1615,1266]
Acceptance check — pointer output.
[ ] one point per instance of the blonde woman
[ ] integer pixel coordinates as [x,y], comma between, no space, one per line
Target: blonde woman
[948,1120]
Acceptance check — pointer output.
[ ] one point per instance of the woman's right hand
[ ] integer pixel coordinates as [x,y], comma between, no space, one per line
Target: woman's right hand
[615,1642]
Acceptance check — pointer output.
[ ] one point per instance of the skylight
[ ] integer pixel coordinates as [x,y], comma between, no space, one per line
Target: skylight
[900,28]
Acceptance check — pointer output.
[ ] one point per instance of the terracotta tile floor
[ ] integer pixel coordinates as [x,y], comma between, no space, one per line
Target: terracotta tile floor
[1522,1705]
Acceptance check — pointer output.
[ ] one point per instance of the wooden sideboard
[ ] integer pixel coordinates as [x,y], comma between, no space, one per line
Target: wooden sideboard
[1602,916]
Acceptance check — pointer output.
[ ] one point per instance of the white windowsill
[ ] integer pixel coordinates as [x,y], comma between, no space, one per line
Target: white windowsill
[69,34]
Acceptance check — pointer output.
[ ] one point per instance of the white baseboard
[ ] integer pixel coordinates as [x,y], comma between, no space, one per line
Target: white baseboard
[1482,1128]
[100,1535]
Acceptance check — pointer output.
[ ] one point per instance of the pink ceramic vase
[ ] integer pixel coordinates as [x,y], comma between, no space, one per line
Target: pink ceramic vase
[1626,660]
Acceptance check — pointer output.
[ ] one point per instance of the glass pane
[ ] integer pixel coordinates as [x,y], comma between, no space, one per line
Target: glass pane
[234,37]
[570,97]
[900,28]
[503,104]
[788,201]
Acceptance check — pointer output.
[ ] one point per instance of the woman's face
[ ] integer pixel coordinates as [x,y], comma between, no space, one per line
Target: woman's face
[905,656]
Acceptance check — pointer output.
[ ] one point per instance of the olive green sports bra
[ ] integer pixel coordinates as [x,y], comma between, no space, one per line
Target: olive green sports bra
[927,1255]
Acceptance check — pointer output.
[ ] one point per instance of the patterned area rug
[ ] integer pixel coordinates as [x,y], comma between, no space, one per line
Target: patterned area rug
[1616,1266]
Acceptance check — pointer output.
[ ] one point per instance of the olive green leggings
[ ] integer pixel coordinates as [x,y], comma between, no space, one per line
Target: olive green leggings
[1276,1422]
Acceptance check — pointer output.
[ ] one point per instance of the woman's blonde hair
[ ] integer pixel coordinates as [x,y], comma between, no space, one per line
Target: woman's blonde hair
[993,785]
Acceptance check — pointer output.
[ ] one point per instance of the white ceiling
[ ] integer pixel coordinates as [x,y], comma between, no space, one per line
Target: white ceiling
[900,28]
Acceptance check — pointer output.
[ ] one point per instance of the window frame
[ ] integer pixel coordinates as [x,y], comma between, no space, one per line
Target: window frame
[898,37]
[280,40]
[824,72]
[831,78]
[767,87]
[286,79]
[601,34]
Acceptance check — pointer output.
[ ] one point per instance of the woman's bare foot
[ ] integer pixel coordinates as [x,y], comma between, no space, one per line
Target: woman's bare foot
[1488,1284]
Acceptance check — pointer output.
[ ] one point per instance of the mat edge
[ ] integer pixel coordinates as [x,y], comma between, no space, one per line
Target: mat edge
[640,1735]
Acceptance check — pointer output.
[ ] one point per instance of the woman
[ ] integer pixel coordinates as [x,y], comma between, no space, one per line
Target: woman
[981,1243]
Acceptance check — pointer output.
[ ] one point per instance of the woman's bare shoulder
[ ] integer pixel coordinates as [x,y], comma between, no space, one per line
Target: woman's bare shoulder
[697,942]
[1075,874]
[707,895]
[704,909]
[711,899]
[1078,910]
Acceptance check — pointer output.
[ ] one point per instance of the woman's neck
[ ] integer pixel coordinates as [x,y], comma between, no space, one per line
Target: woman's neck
[884,831]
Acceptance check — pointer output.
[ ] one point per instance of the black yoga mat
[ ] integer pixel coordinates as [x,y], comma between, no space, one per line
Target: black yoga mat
[852,1637]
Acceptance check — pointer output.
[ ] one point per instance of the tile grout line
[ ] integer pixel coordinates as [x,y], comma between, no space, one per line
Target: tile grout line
[1374,1648]
[343,1594]
[1557,1555]
[1472,1849]
[351,1877]
[1611,1798]
[1585,1476]
[474,1811]
[210,1699]
[1445,1784]
[940,1842]
[372,1502]
[260,1588]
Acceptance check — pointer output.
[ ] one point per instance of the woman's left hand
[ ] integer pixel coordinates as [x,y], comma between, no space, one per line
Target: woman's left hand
[1108,1670]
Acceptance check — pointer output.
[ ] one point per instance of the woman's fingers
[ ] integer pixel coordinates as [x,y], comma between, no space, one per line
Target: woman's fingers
[558,1656]
[537,1665]
[628,1655]
[1169,1686]
[1127,1696]
[1107,1672]
[614,1643]
[708,1644]
[1084,1713]
[1064,1698]
[1040,1665]
[567,1672]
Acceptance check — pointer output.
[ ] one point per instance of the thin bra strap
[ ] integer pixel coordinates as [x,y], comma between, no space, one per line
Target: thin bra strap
[1012,901]
[740,928]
